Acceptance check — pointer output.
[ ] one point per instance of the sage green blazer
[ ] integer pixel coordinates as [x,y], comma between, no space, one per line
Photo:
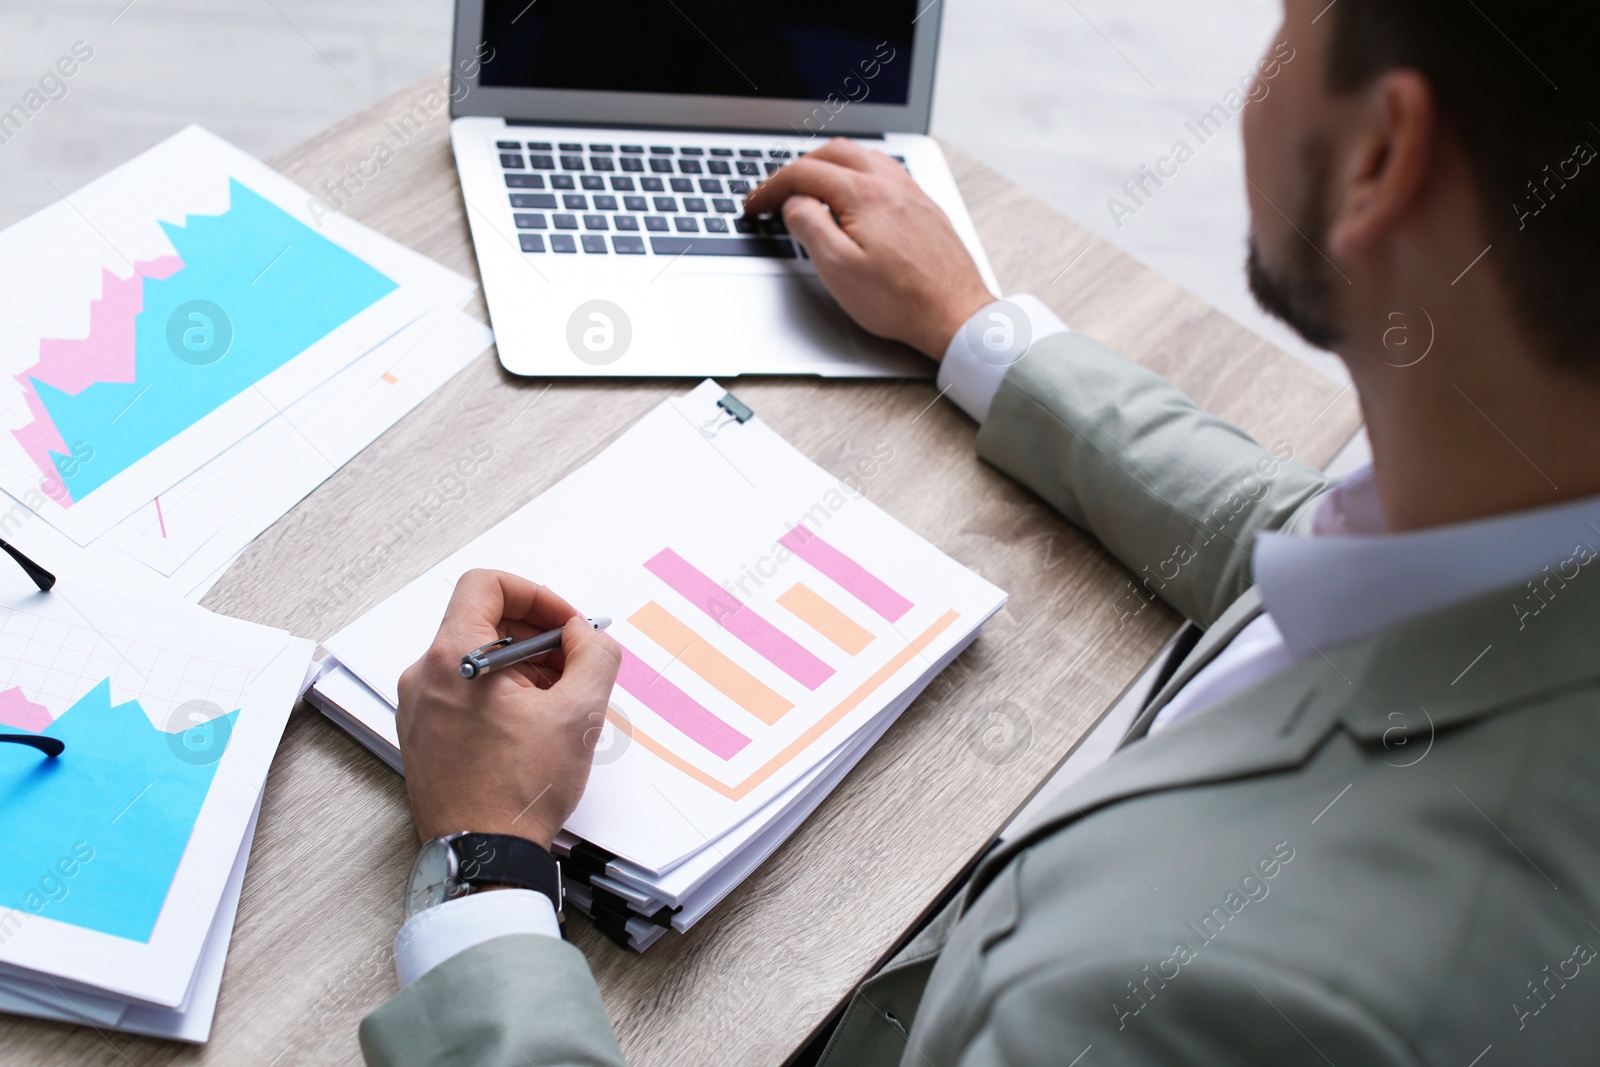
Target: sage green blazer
[1369,858]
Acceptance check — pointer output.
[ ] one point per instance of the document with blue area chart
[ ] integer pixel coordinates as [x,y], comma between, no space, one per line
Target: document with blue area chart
[117,850]
[155,317]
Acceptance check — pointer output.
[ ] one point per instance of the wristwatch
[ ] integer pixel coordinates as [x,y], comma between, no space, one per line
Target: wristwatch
[457,864]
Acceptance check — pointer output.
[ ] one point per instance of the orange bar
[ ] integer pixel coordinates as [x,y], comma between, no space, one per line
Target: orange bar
[799,744]
[701,657]
[809,607]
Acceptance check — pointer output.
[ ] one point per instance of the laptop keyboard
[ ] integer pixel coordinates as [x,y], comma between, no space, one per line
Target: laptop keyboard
[637,200]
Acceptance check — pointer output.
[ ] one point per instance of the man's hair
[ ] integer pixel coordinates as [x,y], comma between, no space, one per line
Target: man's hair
[1517,82]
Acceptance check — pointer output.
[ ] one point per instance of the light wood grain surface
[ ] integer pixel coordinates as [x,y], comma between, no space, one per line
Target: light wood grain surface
[310,951]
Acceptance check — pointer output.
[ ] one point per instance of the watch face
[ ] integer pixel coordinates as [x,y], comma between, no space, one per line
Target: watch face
[431,876]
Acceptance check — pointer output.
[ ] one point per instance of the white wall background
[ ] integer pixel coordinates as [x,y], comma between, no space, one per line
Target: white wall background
[1066,97]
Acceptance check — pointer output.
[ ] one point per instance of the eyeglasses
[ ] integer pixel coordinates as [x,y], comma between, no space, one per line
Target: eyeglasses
[50,746]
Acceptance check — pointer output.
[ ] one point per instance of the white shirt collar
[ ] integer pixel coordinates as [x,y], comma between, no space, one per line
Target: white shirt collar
[1351,578]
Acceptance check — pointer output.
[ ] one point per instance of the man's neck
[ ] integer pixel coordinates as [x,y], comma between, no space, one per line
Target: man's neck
[1483,426]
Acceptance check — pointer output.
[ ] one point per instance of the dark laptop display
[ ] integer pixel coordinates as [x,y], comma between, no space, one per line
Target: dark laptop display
[703,47]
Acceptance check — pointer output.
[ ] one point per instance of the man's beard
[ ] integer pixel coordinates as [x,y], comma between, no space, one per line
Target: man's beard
[1301,293]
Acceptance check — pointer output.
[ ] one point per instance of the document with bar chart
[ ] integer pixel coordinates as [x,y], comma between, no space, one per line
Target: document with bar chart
[153,318]
[767,612]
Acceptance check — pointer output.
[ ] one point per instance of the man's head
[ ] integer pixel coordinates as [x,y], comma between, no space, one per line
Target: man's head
[1410,136]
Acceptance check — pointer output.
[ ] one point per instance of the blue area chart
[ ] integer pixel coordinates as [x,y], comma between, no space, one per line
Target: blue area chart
[94,837]
[256,288]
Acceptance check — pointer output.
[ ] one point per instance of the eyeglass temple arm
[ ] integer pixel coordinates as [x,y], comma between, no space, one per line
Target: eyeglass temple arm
[50,746]
[41,577]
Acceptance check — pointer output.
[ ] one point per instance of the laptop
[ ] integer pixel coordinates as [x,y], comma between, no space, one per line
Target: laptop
[605,151]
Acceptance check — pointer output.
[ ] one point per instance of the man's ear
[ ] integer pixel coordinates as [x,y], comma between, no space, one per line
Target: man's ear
[1389,152]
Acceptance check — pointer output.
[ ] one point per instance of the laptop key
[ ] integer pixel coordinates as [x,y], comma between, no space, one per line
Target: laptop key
[595,222]
[750,153]
[655,223]
[724,205]
[666,203]
[591,181]
[632,165]
[562,181]
[602,163]
[661,150]
[544,200]
[636,203]
[772,168]
[562,242]
[595,244]
[531,242]
[622,184]
[686,225]
[710,185]
[625,222]
[628,246]
[575,202]
[605,203]
[524,181]
[651,185]
[744,225]
[722,152]
[541,163]
[739,188]
[661,166]
[571,162]
[538,146]
[600,148]
[773,225]
[529,222]
[691,151]
[566,222]
[633,149]
[694,203]
[763,247]
[716,225]
[681,185]
[747,167]
[719,166]
[571,147]
[511,161]
[781,153]
[690,166]
[509,146]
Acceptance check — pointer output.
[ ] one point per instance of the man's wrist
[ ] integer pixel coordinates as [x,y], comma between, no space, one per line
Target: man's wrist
[994,338]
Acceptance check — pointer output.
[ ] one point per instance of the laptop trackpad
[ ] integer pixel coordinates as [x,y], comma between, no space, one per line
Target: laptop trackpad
[782,325]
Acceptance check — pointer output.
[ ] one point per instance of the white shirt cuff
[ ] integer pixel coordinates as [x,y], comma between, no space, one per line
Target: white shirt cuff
[430,937]
[997,336]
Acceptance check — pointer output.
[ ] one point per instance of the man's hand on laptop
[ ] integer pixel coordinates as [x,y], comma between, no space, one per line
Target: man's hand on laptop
[508,752]
[885,250]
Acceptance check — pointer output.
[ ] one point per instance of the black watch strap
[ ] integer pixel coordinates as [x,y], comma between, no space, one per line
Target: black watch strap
[506,860]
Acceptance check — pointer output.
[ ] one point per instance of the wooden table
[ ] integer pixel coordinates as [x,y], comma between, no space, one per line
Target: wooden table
[311,947]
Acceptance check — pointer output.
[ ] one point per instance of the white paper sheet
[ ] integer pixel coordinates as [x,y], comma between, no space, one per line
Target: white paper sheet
[191,1023]
[84,278]
[689,491]
[215,694]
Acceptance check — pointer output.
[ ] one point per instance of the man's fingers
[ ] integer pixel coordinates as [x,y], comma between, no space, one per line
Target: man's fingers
[813,225]
[591,660]
[484,599]
[831,183]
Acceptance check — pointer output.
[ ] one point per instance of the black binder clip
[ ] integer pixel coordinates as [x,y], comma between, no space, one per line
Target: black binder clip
[733,411]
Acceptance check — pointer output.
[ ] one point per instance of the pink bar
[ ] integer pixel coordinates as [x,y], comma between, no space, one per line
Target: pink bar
[775,646]
[679,708]
[866,586]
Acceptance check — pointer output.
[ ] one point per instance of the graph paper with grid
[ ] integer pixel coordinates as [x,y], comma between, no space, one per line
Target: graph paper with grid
[55,664]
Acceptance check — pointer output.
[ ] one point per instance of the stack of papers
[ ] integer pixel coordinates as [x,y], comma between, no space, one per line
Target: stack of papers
[774,624]
[190,344]
[125,854]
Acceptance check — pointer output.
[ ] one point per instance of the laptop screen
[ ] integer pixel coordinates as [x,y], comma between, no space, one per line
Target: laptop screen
[850,49]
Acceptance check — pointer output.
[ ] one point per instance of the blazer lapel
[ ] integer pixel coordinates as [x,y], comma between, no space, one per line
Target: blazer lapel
[1481,657]
[1240,613]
